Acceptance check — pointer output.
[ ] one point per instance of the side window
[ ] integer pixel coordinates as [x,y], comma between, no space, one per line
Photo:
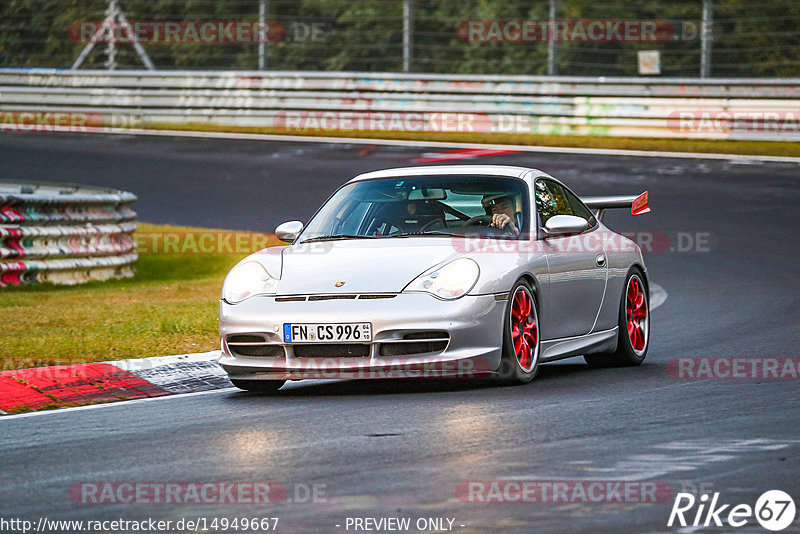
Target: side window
[553,199]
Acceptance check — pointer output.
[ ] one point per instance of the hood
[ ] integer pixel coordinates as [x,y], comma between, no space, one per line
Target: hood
[365,266]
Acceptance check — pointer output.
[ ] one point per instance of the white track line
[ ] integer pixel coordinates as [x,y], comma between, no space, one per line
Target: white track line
[443,144]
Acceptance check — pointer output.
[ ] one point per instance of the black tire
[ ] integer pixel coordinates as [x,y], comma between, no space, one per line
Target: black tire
[258,386]
[626,355]
[512,371]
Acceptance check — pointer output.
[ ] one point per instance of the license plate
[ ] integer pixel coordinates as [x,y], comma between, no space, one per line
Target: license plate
[326,332]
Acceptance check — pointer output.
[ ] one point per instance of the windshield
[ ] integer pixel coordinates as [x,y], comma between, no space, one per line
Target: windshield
[423,206]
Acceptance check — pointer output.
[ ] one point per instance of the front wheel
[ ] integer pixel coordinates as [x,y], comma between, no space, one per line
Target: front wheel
[634,327]
[520,360]
[258,386]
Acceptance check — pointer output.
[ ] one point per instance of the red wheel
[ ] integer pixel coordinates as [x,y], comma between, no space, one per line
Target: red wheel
[636,314]
[520,359]
[633,336]
[524,330]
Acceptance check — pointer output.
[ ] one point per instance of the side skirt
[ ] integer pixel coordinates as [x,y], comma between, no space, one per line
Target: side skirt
[557,349]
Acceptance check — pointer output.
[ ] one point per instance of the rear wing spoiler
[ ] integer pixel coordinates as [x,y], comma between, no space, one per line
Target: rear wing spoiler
[637,204]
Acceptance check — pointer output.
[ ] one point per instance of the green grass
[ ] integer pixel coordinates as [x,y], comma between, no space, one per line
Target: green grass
[169,307]
[760,148]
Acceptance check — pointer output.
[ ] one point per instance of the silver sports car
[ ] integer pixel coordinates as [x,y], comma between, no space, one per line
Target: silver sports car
[449,271]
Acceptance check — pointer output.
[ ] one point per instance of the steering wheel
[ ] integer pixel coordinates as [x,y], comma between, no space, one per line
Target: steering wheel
[480,220]
[486,221]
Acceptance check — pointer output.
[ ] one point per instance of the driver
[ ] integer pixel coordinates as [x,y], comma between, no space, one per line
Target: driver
[502,210]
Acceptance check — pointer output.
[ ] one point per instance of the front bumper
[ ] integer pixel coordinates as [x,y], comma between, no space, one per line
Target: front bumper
[474,325]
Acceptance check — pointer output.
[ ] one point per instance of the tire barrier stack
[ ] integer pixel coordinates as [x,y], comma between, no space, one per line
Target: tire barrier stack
[751,109]
[65,234]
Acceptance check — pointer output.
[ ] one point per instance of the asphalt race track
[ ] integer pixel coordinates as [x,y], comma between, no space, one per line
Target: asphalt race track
[401,449]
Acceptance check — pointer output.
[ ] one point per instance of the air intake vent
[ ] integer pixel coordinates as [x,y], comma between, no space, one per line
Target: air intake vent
[253,345]
[257,350]
[424,342]
[430,334]
[245,338]
[332,350]
[407,349]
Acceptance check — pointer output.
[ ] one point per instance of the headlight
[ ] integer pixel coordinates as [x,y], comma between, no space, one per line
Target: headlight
[246,280]
[448,282]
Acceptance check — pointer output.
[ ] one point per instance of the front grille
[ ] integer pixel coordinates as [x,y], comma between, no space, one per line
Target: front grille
[348,296]
[405,349]
[332,350]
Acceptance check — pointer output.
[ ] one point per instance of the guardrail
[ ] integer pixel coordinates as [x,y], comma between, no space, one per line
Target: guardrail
[64,234]
[296,101]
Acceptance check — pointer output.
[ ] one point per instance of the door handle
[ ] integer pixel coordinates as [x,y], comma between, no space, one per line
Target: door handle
[601,260]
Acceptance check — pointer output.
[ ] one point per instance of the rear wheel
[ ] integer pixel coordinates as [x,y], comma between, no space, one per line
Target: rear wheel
[520,360]
[258,386]
[634,327]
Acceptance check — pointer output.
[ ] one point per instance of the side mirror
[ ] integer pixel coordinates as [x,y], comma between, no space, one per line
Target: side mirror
[565,224]
[288,231]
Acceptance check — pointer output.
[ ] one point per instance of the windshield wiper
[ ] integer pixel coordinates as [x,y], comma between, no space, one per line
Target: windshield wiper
[333,237]
[435,233]
[451,234]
